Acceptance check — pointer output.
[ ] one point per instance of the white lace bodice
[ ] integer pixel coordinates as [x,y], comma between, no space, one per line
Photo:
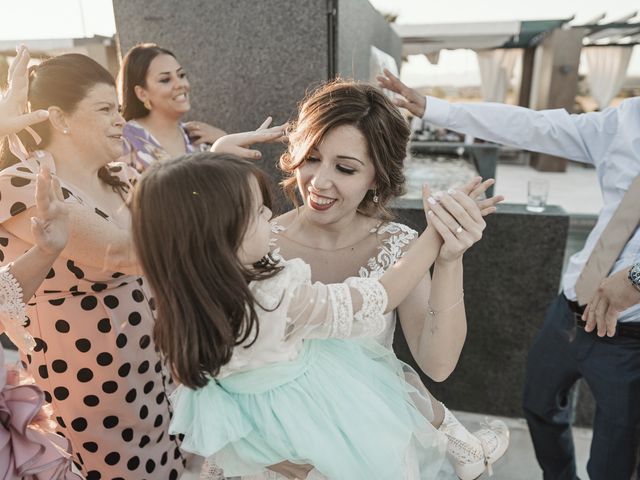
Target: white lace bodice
[394,240]
[291,309]
[12,311]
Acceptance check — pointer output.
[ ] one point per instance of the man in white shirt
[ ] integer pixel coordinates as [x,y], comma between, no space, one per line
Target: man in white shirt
[603,344]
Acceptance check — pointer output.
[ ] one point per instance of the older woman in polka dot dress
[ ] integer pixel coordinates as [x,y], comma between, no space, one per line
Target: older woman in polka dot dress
[92,316]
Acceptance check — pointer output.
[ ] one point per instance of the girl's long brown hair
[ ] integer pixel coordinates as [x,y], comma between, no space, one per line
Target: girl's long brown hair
[189,217]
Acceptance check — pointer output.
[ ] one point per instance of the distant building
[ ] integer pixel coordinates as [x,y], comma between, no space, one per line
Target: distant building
[102,49]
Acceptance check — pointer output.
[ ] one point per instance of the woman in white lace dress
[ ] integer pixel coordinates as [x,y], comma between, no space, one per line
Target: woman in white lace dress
[345,158]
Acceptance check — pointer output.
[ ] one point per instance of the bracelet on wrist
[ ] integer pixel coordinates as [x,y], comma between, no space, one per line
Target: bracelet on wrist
[434,312]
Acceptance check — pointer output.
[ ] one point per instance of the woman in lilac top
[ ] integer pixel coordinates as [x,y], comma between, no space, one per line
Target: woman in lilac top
[154,92]
[145,148]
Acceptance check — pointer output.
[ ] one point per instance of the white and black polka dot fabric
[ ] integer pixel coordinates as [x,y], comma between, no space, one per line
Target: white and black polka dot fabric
[95,358]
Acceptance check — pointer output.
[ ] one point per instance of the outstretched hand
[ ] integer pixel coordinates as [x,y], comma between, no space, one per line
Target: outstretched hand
[50,228]
[410,99]
[14,103]
[202,132]
[240,143]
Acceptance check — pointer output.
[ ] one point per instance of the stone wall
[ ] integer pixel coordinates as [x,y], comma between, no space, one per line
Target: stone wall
[247,59]
[359,27]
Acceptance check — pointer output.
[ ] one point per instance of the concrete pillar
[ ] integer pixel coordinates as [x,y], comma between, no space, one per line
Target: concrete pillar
[524,95]
[555,82]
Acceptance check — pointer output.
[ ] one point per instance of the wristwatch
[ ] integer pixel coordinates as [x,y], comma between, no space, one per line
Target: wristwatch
[634,275]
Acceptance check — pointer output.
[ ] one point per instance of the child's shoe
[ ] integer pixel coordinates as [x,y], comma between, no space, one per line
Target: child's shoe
[473,454]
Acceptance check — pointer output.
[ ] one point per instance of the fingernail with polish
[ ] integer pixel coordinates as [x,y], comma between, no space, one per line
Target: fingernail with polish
[439,195]
[451,191]
[432,201]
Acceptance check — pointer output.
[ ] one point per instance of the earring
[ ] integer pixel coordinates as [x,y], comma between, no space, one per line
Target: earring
[147,104]
[65,131]
[375,195]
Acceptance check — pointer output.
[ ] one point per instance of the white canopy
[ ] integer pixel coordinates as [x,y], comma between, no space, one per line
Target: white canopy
[428,38]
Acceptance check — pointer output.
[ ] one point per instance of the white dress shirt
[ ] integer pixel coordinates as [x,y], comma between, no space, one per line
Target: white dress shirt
[610,140]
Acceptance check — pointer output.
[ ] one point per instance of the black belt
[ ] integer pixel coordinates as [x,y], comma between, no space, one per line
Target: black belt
[576,308]
[628,329]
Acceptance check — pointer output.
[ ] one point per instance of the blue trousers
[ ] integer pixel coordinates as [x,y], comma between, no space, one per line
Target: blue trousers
[560,355]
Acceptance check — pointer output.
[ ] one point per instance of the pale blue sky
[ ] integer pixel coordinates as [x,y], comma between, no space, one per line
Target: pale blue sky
[29,19]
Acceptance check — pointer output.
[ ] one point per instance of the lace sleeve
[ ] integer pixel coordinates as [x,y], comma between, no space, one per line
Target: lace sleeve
[394,241]
[344,310]
[12,311]
[369,318]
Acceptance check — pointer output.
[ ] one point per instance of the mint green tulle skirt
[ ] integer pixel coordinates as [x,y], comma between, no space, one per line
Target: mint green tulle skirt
[342,406]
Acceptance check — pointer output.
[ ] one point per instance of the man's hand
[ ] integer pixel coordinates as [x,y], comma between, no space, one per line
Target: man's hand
[614,295]
[410,99]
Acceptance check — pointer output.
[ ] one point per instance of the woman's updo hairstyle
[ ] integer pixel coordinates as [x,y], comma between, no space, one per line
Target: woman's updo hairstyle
[63,82]
[365,107]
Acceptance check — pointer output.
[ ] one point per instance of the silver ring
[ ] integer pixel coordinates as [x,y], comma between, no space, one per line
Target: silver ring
[459,230]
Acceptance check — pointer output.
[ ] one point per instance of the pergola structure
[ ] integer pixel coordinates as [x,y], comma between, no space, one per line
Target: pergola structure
[431,38]
[551,51]
[621,32]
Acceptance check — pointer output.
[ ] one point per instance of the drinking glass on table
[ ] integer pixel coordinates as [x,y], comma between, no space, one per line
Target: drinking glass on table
[537,193]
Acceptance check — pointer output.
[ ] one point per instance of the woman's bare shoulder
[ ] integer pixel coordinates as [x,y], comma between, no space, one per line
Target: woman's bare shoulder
[282,222]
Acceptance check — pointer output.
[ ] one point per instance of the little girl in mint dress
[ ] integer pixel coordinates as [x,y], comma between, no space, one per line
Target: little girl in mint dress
[304,394]
[274,367]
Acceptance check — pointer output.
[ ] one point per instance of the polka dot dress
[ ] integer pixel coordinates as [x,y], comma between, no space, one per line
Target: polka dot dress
[95,359]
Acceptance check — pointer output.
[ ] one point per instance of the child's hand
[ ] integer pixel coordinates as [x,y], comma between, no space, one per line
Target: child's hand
[475,188]
[201,132]
[240,143]
[50,227]
[14,103]
[411,100]
[458,220]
